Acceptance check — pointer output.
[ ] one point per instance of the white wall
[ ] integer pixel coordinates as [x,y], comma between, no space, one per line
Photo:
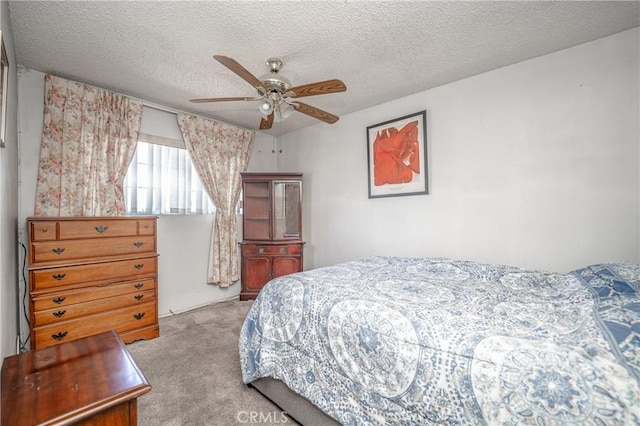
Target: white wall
[183,241]
[9,294]
[534,165]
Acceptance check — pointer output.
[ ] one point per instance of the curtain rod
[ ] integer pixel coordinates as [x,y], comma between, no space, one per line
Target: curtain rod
[177,111]
[162,108]
[153,105]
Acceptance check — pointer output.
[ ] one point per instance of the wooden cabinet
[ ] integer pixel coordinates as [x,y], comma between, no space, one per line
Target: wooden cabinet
[262,262]
[271,229]
[88,275]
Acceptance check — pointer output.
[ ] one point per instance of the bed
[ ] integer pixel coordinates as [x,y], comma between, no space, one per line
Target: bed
[390,340]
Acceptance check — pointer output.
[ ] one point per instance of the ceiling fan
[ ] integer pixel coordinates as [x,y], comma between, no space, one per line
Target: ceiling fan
[276,95]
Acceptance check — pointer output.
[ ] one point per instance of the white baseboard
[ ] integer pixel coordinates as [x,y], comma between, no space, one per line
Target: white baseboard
[191,308]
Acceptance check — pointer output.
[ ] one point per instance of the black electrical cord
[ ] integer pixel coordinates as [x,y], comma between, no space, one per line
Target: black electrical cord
[23,345]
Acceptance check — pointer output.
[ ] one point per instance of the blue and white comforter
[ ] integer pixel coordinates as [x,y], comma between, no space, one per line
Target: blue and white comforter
[388,340]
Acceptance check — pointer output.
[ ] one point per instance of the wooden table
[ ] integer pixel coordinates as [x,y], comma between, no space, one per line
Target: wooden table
[93,380]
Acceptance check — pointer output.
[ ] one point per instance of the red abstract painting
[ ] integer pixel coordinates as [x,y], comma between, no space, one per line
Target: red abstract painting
[396,155]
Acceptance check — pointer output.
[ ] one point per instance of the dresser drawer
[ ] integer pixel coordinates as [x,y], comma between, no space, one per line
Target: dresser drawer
[99,228]
[43,231]
[251,249]
[120,320]
[147,227]
[65,251]
[77,310]
[70,275]
[63,298]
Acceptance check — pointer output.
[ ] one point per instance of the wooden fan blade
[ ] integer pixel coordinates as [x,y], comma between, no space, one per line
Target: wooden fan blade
[241,71]
[203,100]
[319,88]
[266,123]
[315,112]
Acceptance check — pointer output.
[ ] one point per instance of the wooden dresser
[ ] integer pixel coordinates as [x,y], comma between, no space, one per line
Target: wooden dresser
[88,275]
[272,243]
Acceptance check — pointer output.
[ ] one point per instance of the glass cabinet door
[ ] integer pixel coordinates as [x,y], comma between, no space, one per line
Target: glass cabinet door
[256,209]
[286,198]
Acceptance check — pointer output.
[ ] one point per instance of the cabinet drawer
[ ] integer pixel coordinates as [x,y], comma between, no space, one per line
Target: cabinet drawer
[69,275]
[99,228]
[64,251]
[43,231]
[250,249]
[63,298]
[147,227]
[64,313]
[120,320]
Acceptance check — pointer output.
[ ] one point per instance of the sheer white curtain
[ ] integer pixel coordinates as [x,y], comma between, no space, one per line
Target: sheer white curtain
[88,138]
[219,152]
[162,180]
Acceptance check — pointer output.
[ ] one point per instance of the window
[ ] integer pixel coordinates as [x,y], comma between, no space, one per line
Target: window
[162,180]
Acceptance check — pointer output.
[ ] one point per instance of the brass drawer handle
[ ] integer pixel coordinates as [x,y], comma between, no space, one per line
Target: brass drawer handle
[138,296]
[261,250]
[59,314]
[138,244]
[60,335]
[101,228]
[45,229]
[138,266]
[138,316]
[283,250]
[58,250]
[138,286]
[58,276]
[58,300]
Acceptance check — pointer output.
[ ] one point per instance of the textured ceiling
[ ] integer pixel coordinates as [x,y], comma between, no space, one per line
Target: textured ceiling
[162,51]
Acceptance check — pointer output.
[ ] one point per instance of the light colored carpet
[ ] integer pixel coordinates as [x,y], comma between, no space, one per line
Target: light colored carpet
[194,369]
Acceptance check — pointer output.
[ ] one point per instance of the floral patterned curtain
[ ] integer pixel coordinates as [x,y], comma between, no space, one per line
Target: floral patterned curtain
[219,153]
[89,136]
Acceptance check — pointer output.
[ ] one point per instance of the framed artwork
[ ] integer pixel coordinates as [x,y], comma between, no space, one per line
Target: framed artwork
[4,82]
[397,156]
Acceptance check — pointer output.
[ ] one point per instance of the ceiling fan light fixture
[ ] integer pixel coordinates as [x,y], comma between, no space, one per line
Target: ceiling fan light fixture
[266,107]
[282,112]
